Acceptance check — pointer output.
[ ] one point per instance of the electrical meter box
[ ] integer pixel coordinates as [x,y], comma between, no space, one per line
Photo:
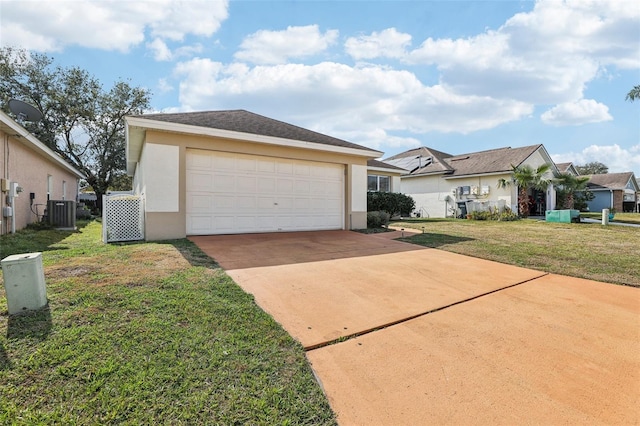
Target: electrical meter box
[24,282]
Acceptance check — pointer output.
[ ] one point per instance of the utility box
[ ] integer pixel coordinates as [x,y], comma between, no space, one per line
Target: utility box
[24,282]
[562,216]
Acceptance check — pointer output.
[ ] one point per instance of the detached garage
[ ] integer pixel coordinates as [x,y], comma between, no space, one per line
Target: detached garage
[230,172]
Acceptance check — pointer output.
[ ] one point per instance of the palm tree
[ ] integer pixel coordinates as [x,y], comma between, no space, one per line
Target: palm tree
[567,185]
[526,178]
[634,93]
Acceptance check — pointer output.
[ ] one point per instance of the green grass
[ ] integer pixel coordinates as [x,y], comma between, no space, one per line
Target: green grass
[585,250]
[146,333]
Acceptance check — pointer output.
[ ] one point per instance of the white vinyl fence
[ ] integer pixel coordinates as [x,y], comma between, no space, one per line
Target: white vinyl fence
[122,218]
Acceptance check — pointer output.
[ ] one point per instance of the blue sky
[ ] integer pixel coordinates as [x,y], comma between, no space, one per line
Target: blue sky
[456,76]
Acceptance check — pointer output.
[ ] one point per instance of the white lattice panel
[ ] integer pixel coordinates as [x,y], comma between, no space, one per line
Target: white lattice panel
[122,218]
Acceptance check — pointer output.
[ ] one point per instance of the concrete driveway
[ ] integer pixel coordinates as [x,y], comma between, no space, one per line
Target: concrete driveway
[400,334]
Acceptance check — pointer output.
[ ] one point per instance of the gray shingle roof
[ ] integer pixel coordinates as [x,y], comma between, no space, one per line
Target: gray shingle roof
[249,122]
[563,167]
[383,165]
[609,181]
[421,160]
[482,162]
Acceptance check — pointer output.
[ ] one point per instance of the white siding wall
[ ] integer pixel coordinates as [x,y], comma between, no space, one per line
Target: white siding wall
[430,193]
[395,183]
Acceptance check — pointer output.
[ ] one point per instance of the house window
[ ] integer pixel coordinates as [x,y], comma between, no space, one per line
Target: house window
[64,189]
[49,186]
[378,183]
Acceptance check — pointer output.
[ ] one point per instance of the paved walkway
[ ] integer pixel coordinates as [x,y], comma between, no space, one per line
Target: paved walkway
[401,334]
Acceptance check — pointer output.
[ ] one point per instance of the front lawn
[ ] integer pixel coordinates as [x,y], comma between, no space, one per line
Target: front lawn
[585,250]
[146,333]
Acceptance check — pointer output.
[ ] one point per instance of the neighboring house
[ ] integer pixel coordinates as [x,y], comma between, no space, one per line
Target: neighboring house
[229,172]
[38,171]
[383,177]
[445,185]
[617,190]
[567,168]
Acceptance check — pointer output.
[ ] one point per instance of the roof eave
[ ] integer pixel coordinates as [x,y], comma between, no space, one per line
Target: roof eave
[439,172]
[496,173]
[12,128]
[136,129]
[385,169]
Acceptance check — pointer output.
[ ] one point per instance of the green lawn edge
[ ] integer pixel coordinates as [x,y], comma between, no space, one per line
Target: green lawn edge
[146,333]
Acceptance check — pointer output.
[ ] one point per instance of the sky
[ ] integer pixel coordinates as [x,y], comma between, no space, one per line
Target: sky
[455,76]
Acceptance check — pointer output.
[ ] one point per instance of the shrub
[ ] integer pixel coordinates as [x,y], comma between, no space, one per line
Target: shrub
[480,215]
[508,216]
[377,219]
[393,203]
[494,214]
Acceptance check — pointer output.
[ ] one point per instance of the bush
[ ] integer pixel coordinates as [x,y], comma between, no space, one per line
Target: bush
[480,215]
[507,215]
[377,219]
[393,203]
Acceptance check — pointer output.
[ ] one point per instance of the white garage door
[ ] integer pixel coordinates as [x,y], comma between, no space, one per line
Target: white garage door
[236,193]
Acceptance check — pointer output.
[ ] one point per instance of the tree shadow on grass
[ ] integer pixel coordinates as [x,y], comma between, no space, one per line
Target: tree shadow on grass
[35,239]
[435,240]
[35,325]
[5,363]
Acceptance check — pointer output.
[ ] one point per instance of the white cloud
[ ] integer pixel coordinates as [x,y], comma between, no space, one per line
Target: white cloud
[388,43]
[107,25]
[160,50]
[618,159]
[576,113]
[381,101]
[276,47]
[546,56]
[164,86]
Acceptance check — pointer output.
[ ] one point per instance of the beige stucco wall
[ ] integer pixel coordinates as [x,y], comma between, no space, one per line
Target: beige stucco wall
[172,225]
[31,171]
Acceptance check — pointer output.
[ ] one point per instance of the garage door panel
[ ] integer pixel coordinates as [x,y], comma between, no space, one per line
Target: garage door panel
[244,164]
[200,203]
[266,166]
[285,168]
[222,203]
[246,223]
[267,203]
[223,183]
[285,186]
[200,161]
[302,187]
[235,193]
[223,161]
[301,169]
[268,223]
[266,184]
[246,184]
[199,223]
[246,202]
[199,181]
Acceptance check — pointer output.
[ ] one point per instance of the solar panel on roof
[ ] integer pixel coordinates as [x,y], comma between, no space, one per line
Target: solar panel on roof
[411,163]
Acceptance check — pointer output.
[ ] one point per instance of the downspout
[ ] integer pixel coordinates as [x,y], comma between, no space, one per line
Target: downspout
[611,204]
